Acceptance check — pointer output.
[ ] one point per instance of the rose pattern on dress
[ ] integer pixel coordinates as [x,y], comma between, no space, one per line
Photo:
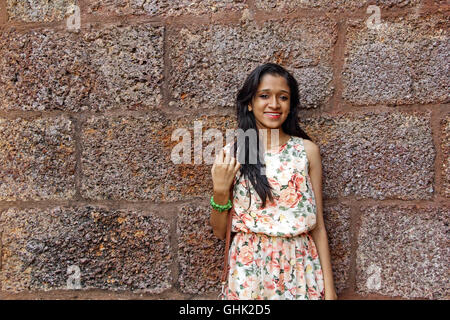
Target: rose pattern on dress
[272,255]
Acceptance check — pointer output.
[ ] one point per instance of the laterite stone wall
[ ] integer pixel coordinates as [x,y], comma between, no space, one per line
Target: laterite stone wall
[91,205]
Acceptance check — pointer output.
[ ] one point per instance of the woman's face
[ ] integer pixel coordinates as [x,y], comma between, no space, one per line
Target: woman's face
[271,103]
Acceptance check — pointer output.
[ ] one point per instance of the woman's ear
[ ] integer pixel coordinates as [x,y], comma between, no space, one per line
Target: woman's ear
[249,108]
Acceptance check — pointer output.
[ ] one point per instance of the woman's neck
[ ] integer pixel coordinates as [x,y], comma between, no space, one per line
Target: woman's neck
[273,138]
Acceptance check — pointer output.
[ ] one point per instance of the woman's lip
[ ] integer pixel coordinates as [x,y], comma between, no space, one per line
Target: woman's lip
[273,116]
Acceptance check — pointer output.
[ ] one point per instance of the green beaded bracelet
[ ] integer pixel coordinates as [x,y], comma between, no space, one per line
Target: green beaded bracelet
[219,207]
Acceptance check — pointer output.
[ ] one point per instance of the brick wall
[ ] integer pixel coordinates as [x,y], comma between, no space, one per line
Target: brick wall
[91,205]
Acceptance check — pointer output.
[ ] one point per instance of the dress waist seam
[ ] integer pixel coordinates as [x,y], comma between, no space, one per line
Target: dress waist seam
[303,234]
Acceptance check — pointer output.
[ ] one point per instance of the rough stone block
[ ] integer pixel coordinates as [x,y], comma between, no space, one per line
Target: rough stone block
[37,159]
[404,60]
[208,64]
[200,253]
[123,158]
[48,249]
[112,68]
[38,10]
[164,8]
[445,147]
[130,158]
[403,251]
[387,155]
[289,6]
[337,223]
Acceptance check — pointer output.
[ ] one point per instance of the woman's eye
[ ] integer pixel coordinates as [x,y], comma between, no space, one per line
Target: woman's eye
[264,96]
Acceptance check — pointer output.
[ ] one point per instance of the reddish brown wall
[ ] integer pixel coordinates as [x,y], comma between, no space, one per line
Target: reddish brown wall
[86,120]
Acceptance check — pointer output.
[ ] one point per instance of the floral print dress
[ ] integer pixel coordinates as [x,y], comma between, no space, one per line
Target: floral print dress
[272,255]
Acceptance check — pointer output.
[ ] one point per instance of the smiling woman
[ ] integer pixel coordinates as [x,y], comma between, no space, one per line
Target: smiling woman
[271,107]
[272,207]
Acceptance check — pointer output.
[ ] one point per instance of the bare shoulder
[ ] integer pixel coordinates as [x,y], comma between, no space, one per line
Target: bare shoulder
[312,151]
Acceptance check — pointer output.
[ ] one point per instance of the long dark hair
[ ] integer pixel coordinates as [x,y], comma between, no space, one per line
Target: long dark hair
[246,120]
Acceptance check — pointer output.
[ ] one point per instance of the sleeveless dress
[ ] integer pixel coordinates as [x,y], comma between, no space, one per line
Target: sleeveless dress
[272,255]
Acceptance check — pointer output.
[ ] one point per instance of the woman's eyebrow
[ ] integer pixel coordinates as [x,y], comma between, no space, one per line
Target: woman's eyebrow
[269,90]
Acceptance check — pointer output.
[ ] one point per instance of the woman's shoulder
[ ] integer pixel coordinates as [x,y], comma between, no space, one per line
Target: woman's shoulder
[309,145]
[311,149]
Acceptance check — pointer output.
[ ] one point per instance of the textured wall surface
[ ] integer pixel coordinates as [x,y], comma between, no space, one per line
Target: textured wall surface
[91,205]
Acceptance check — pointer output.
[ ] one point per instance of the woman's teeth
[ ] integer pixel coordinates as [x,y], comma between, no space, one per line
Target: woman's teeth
[272,115]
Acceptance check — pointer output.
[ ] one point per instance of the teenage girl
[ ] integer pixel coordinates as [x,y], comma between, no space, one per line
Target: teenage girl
[279,248]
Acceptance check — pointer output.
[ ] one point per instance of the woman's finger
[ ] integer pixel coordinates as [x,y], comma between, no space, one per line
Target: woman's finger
[220,157]
[237,166]
[227,155]
[216,159]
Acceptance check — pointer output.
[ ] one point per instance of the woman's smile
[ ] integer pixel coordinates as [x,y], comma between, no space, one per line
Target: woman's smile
[273,115]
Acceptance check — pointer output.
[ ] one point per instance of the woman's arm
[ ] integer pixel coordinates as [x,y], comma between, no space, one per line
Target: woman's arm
[319,233]
[218,220]
[223,172]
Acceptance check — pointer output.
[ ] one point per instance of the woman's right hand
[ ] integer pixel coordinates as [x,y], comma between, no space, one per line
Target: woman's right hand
[224,170]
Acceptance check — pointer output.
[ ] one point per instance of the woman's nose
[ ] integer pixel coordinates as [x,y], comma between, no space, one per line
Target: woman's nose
[274,102]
